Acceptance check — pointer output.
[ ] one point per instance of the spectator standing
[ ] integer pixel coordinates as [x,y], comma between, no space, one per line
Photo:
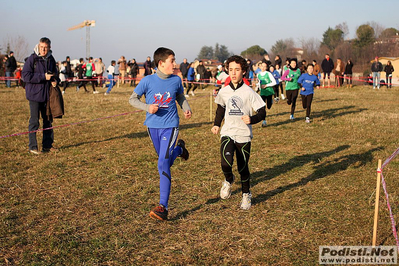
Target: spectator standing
[316,69]
[134,71]
[348,73]
[277,60]
[339,69]
[376,68]
[122,68]
[184,66]
[327,65]
[388,73]
[68,68]
[266,60]
[39,73]
[11,66]
[201,70]
[100,68]
[148,69]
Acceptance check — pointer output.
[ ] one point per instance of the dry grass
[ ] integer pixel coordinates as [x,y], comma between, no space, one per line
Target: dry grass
[88,203]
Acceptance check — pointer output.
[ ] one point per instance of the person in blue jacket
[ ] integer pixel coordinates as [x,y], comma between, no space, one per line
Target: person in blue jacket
[307,82]
[39,73]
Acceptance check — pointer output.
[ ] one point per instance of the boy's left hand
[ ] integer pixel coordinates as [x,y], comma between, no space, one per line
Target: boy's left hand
[246,119]
[187,114]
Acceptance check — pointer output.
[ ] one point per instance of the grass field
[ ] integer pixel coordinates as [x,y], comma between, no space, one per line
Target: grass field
[88,203]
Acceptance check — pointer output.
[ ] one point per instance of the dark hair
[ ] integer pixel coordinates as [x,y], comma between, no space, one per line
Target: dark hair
[314,60]
[81,59]
[45,40]
[113,62]
[90,58]
[309,66]
[100,58]
[161,54]
[68,57]
[239,60]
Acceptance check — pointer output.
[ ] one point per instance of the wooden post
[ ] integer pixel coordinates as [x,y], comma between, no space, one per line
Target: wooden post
[210,106]
[377,200]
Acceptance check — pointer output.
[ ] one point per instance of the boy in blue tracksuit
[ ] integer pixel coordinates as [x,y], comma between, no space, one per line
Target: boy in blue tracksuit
[307,82]
[161,91]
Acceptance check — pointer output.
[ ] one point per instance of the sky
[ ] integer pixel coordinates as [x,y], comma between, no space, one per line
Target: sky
[135,29]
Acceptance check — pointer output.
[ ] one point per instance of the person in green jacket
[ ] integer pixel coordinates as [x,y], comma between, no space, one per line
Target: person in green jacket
[266,84]
[291,75]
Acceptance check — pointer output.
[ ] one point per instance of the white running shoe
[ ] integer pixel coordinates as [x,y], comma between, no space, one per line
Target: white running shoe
[186,95]
[192,93]
[95,92]
[246,201]
[307,120]
[282,97]
[225,191]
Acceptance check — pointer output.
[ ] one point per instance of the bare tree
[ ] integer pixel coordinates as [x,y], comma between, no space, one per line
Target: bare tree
[378,28]
[18,45]
[344,28]
[310,48]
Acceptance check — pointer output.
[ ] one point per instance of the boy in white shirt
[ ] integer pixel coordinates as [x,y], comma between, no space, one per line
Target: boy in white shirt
[235,103]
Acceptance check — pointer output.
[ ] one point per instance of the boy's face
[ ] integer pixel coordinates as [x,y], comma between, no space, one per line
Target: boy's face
[310,69]
[167,66]
[235,72]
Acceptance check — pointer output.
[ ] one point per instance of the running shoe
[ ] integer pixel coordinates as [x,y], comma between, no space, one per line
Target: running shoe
[185,154]
[264,123]
[246,201]
[160,213]
[225,191]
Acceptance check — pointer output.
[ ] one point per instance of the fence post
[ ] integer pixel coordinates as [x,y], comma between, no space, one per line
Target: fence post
[377,200]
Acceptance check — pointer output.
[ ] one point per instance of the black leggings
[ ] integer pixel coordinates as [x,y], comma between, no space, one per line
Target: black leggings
[307,103]
[268,100]
[243,150]
[276,92]
[292,95]
[281,87]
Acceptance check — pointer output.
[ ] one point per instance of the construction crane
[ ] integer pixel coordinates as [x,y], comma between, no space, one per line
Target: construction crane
[87,24]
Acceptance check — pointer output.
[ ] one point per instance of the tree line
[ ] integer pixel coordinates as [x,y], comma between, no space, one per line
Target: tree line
[371,40]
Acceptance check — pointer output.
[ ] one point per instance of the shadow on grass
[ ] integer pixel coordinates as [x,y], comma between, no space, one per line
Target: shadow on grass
[321,171]
[325,114]
[135,135]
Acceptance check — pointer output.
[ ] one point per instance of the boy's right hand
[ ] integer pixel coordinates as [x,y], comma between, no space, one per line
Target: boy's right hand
[153,108]
[215,129]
